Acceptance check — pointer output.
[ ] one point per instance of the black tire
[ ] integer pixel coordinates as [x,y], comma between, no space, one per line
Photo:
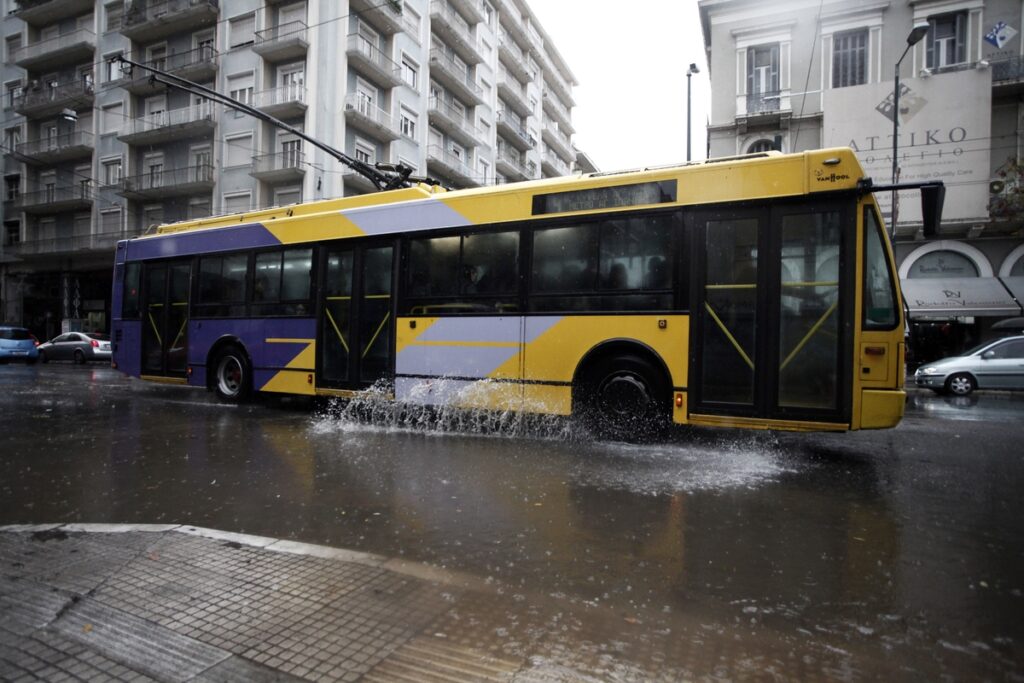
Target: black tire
[232,375]
[624,397]
[961,384]
[79,357]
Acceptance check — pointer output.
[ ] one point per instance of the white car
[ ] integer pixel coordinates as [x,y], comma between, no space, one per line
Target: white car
[997,364]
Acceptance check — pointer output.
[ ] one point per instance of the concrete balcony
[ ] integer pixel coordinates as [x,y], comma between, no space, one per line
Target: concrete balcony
[174,124]
[75,244]
[513,94]
[513,58]
[198,65]
[454,31]
[64,147]
[447,164]
[763,108]
[283,102]
[280,167]
[149,20]
[369,118]
[552,165]
[368,60]
[469,9]
[55,199]
[453,121]
[1008,75]
[42,100]
[511,130]
[282,43]
[71,48]
[514,168]
[44,12]
[384,15]
[556,109]
[558,142]
[358,182]
[165,183]
[455,77]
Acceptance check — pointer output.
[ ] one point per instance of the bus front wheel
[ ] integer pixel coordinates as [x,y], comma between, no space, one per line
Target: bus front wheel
[232,378]
[625,397]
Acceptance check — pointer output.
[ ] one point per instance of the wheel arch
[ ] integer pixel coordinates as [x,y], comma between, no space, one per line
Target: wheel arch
[216,348]
[610,348]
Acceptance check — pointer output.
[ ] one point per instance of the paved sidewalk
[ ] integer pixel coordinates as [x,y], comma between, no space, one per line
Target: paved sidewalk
[178,603]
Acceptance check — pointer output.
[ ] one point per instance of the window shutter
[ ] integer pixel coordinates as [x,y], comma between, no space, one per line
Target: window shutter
[750,70]
[961,38]
[775,68]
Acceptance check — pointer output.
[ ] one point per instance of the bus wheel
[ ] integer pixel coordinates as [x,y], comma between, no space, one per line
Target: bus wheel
[625,398]
[232,379]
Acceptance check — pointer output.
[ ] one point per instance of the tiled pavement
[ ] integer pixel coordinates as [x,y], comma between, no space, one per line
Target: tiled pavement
[174,603]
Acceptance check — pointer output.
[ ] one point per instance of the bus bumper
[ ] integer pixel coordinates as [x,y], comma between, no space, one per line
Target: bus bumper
[881,409]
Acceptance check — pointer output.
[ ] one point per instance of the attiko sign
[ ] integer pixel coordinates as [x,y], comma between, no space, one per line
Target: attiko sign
[944,134]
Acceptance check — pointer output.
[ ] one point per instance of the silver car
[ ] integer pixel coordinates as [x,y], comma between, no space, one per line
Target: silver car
[995,364]
[77,346]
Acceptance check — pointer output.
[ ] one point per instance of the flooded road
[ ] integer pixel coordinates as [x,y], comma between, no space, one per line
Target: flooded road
[894,555]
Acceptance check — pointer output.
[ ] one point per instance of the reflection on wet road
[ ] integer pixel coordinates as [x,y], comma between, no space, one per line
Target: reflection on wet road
[892,554]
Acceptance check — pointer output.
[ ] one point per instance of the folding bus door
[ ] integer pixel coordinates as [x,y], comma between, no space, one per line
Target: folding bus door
[165,318]
[771,290]
[356,347]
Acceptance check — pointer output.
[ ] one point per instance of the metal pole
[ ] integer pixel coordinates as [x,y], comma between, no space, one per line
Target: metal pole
[895,141]
[688,126]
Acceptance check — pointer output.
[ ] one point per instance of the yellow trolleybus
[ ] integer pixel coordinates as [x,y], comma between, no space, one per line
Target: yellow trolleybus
[757,291]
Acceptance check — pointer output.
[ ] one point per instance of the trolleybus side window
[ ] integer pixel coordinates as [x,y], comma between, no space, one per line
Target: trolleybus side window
[879,294]
[222,285]
[281,282]
[130,303]
[464,274]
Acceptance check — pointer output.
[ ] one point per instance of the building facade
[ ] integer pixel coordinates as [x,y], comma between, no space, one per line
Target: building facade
[470,92]
[803,74]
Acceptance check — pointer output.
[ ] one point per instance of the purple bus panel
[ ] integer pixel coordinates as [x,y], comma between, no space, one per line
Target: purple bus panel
[250,236]
[288,338]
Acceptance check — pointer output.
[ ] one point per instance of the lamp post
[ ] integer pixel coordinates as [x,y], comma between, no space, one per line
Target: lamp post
[913,38]
[689,72]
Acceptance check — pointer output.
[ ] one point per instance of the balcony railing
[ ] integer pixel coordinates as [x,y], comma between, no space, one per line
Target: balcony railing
[555,162]
[377,66]
[168,182]
[284,100]
[516,128]
[1009,69]
[289,164]
[362,111]
[150,19]
[101,241]
[65,48]
[199,64]
[43,12]
[763,102]
[454,121]
[45,99]
[455,75]
[55,197]
[284,41]
[166,119]
[454,30]
[63,146]
[453,163]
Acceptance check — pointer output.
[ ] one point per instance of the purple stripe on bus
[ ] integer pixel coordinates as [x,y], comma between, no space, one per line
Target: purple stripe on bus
[253,335]
[250,236]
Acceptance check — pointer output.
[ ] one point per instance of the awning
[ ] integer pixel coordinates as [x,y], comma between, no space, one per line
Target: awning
[956,297]
[1016,286]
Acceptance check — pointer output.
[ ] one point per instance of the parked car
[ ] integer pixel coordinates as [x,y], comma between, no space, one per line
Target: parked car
[77,346]
[997,364]
[17,343]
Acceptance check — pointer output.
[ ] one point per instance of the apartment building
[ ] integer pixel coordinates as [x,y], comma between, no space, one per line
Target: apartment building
[470,92]
[803,74]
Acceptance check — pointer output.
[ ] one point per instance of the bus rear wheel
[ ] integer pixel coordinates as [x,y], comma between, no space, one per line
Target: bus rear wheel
[232,375]
[625,397]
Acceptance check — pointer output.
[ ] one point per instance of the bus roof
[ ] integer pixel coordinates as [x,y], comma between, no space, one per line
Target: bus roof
[741,178]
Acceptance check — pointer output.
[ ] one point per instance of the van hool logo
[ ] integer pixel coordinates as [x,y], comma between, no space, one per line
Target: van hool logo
[910,104]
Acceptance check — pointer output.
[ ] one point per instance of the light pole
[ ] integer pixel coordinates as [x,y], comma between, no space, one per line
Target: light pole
[913,38]
[689,72]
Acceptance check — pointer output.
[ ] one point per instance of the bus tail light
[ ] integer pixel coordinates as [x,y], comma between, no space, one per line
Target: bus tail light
[309,378]
[188,371]
[874,350]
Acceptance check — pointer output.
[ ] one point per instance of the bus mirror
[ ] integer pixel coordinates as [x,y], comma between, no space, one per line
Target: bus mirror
[932,198]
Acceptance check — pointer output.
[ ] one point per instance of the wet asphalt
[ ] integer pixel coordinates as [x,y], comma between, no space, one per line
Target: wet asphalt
[899,553]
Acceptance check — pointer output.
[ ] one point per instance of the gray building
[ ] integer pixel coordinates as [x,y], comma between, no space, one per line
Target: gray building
[802,74]
[470,92]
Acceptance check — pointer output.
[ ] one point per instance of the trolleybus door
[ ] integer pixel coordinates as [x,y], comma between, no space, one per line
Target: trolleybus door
[355,316]
[768,339]
[165,318]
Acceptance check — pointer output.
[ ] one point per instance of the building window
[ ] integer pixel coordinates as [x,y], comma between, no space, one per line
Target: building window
[13,45]
[237,203]
[763,72]
[110,221]
[242,30]
[199,208]
[111,118]
[761,146]
[12,91]
[238,150]
[947,40]
[12,138]
[410,73]
[11,188]
[113,70]
[849,58]
[364,151]
[112,172]
[485,170]
[115,15]
[408,123]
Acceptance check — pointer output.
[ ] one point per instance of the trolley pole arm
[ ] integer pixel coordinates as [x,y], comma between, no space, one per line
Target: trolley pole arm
[397,177]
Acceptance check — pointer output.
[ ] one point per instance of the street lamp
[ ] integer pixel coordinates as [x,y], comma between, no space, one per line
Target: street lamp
[913,38]
[689,72]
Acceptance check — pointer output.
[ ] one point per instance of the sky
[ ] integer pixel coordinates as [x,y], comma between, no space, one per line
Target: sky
[630,60]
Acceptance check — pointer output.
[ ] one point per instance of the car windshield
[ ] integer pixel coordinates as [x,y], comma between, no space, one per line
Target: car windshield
[98,336]
[15,333]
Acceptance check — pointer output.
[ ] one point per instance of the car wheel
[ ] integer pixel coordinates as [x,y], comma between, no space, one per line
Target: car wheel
[624,397]
[961,384]
[79,357]
[232,378]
